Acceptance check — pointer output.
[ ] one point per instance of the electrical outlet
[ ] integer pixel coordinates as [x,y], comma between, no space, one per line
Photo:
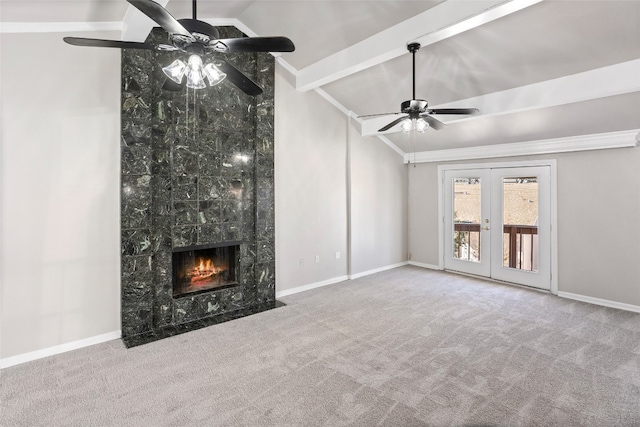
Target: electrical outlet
[317,258]
[337,255]
[301,262]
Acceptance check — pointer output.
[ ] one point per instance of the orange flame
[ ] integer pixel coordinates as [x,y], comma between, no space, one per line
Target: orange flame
[205,270]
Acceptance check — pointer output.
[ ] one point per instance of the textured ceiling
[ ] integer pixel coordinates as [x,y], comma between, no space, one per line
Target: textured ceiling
[354,51]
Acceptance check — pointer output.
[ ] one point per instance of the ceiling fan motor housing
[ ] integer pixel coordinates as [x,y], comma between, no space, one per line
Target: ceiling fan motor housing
[202,33]
[414,105]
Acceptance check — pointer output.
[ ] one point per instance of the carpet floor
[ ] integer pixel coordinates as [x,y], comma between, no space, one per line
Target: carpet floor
[405,347]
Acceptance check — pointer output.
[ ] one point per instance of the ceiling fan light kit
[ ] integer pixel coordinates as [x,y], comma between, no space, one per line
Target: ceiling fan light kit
[199,40]
[419,124]
[417,116]
[195,72]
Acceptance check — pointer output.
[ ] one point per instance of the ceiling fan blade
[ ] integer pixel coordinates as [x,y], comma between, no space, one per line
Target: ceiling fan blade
[80,41]
[160,15]
[434,123]
[253,44]
[392,124]
[379,114]
[236,77]
[172,86]
[454,111]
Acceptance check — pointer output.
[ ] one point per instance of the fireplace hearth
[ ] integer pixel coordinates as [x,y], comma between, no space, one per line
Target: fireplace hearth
[199,269]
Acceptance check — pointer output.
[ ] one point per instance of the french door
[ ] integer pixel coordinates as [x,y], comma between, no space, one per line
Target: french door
[497,223]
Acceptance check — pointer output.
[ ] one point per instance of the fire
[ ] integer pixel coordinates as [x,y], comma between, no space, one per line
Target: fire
[205,270]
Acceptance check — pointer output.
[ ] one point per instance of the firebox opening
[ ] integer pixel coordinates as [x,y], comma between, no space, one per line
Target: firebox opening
[201,269]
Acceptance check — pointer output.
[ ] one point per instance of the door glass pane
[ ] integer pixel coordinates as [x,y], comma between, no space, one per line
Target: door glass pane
[520,223]
[466,219]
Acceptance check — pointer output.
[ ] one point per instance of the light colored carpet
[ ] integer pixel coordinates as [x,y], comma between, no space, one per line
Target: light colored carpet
[406,347]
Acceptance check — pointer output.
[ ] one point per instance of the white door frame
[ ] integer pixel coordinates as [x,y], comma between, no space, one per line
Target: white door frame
[493,165]
[482,267]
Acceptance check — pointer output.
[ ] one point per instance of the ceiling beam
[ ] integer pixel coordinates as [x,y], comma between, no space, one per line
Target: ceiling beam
[136,26]
[438,23]
[612,80]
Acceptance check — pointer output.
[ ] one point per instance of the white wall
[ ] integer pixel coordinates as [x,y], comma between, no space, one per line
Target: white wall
[59,190]
[310,187]
[59,195]
[313,176]
[598,227]
[423,213]
[378,205]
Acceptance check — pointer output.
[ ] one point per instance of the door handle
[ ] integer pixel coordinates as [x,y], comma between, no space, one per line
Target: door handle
[485,228]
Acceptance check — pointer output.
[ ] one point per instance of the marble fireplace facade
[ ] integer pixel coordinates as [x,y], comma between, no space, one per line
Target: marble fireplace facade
[196,171]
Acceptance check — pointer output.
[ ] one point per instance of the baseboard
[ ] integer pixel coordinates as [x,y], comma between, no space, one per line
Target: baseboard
[57,349]
[599,301]
[285,292]
[423,265]
[377,270]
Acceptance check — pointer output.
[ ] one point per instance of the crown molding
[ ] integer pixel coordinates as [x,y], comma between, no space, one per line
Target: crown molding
[58,27]
[331,100]
[599,141]
[393,146]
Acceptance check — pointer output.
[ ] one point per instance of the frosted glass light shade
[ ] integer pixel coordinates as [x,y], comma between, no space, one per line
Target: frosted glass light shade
[214,75]
[195,79]
[406,125]
[195,72]
[175,71]
[421,125]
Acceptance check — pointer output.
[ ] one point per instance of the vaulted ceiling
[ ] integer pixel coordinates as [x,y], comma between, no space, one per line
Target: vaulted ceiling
[536,69]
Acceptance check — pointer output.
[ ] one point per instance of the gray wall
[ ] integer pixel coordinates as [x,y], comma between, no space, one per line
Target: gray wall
[598,227]
[316,182]
[378,205]
[310,187]
[59,192]
[59,189]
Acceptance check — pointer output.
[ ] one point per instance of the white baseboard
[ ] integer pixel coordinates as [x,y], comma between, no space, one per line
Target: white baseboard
[377,270]
[599,301]
[423,265]
[297,289]
[57,349]
[310,286]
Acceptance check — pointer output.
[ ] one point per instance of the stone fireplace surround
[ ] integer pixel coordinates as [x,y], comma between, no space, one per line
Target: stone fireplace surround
[194,171]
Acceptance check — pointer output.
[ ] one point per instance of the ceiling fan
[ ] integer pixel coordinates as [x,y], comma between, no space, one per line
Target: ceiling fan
[197,39]
[416,115]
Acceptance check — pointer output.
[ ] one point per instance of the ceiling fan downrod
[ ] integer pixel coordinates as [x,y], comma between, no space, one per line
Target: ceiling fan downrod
[413,48]
[193,8]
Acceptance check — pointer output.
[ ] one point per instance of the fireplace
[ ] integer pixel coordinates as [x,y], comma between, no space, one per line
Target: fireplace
[202,268]
[189,183]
